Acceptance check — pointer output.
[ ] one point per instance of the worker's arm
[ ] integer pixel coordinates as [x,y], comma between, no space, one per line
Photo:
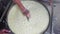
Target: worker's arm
[23,9]
[18,2]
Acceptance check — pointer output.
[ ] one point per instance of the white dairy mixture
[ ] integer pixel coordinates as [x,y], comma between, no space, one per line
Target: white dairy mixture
[38,22]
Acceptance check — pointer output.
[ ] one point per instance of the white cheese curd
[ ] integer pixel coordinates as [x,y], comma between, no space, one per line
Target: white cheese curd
[37,23]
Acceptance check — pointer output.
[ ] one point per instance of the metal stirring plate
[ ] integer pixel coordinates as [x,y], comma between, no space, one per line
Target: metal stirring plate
[37,23]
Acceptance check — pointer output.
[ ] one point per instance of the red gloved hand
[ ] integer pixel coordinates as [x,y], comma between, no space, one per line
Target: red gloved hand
[5,31]
[23,9]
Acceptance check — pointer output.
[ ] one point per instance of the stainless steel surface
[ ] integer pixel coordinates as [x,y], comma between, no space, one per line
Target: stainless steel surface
[56,17]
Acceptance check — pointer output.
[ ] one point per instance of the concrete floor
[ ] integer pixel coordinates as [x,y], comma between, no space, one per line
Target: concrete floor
[56,27]
[56,18]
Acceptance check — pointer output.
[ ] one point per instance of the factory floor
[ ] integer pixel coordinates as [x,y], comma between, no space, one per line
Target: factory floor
[56,18]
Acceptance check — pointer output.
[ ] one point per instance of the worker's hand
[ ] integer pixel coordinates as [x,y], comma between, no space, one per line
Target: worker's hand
[5,31]
[22,8]
[26,13]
